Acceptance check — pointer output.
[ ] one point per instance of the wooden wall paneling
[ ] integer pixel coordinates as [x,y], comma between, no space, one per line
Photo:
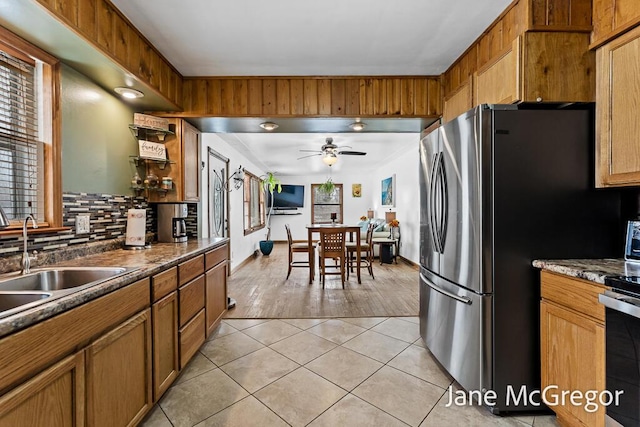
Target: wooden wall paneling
[87,18]
[310,97]
[283,97]
[407,97]
[145,60]
[421,89]
[434,106]
[197,94]
[134,62]
[214,100]
[338,97]
[324,97]
[538,12]
[165,76]
[176,80]
[495,39]
[484,51]
[558,13]
[120,39]
[154,69]
[394,96]
[226,96]
[352,97]
[67,9]
[104,22]
[269,107]
[240,96]
[296,103]
[580,12]
[554,64]
[378,92]
[48,3]
[255,97]
[366,96]
[510,27]
[626,12]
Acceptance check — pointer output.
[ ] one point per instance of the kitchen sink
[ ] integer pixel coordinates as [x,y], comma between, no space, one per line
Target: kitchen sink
[60,278]
[11,302]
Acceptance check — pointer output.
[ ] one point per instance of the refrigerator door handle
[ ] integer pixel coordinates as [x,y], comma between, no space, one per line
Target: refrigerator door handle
[433,224]
[444,291]
[444,203]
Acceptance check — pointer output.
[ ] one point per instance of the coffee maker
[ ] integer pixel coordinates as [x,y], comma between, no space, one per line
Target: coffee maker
[172,225]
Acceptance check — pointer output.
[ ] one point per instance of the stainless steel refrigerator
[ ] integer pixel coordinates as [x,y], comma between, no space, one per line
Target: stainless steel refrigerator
[503,185]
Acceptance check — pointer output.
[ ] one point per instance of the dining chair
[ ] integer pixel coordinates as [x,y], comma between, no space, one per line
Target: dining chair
[297,247]
[366,251]
[332,246]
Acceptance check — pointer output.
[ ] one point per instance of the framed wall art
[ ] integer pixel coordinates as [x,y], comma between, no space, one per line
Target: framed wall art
[356,190]
[388,191]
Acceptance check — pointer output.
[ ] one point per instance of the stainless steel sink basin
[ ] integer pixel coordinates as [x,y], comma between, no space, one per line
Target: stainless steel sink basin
[61,278]
[12,302]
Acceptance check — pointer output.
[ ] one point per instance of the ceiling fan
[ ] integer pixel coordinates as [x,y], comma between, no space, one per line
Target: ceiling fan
[329,152]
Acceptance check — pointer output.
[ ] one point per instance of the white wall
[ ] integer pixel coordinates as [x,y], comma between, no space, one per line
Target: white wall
[406,169]
[241,246]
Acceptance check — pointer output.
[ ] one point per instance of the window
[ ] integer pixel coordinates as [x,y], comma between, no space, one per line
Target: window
[29,155]
[254,215]
[323,204]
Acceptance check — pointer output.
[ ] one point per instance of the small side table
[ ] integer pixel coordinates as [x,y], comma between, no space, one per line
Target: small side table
[389,244]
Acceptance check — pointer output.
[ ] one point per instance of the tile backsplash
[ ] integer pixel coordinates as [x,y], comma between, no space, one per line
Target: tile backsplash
[107,222]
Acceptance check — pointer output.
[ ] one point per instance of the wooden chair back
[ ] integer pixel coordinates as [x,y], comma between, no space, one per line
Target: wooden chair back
[332,242]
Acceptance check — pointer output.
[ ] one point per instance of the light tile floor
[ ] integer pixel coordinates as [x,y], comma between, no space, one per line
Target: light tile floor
[318,372]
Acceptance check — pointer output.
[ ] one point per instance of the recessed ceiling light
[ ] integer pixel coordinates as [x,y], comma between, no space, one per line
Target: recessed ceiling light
[357,126]
[268,126]
[127,92]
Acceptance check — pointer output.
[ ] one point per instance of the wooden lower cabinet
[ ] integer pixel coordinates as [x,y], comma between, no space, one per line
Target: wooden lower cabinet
[192,336]
[165,343]
[55,397]
[216,295]
[572,345]
[119,374]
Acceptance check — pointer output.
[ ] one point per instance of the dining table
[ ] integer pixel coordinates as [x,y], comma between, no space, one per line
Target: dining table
[315,228]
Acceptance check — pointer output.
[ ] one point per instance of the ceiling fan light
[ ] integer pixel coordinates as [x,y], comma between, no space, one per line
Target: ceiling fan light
[330,159]
[129,93]
[357,126]
[268,126]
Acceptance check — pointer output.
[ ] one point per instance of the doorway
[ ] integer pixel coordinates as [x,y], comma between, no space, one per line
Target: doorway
[217,206]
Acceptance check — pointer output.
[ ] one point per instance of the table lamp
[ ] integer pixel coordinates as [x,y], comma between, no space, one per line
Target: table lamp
[388,217]
[370,214]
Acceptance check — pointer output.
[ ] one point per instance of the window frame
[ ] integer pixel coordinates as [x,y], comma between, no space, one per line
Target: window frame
[51,130]
[314,189]
[248,199]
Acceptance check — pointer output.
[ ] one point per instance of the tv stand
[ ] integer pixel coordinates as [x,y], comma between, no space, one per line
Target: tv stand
[289,211]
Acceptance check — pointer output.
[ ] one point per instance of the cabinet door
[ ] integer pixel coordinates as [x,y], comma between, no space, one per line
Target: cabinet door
[572,358]
[165,343]
[458,103]
[498,81]
[119,374]
[53,398]
[216,295]
[191,167]
[617,105]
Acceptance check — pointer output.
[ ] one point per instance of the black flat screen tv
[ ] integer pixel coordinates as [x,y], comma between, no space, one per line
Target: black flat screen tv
[291,197]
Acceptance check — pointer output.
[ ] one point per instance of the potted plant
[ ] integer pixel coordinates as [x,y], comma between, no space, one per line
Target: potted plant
[327,187]
[269,184]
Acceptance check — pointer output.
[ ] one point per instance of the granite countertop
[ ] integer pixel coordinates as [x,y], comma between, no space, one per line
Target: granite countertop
[594,270]
[143,263]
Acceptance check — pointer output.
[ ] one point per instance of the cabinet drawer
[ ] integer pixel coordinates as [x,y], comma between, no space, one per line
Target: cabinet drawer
[192,336]
[191,298]
[214,257]
[191,269]
[164,283]
[576,294]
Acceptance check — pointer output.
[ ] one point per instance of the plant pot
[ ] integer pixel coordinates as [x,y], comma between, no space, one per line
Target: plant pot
[266,246]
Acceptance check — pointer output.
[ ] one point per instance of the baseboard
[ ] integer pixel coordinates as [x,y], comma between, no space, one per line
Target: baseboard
[409,262]
[246,261]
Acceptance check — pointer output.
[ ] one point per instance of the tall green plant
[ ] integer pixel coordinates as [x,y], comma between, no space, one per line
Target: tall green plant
[327,187]
[270,184]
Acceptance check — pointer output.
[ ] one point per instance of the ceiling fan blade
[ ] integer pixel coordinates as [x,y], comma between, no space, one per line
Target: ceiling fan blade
[310,151]
[310,155]
[352,153]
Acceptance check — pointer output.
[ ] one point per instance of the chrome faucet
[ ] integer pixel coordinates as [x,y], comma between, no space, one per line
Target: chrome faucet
[26,262]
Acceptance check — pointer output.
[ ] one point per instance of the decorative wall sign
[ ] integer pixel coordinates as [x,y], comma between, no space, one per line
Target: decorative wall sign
[388,190]
[356,190]
[152,150]
[152,122]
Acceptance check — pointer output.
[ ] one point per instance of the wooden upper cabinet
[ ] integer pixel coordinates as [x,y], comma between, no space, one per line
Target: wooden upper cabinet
[183,151]
[459,102]
[618,102]
[312,96]
[613,17]
[539,67]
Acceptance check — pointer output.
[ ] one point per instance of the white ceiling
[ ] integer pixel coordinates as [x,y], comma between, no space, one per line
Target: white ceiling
[296,37]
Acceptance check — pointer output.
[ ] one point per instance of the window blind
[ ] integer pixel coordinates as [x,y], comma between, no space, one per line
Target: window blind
[21,152]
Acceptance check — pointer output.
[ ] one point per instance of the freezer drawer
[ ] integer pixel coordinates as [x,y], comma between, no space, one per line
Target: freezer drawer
[456,327]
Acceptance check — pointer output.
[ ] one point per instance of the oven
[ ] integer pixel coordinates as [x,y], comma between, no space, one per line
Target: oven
[622,305]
